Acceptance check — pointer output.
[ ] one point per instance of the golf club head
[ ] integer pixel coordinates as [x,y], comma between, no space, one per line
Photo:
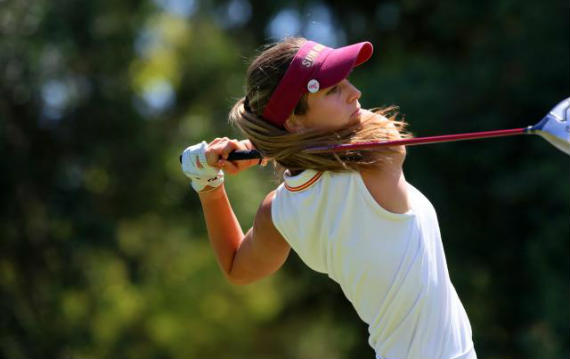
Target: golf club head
[555,126]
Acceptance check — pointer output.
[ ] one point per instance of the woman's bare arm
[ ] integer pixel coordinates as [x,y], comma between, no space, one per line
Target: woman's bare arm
[243,258]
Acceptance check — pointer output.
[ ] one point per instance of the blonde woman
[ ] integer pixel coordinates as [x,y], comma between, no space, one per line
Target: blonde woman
[352,216]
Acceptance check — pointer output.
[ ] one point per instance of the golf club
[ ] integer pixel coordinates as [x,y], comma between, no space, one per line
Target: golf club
[554,127]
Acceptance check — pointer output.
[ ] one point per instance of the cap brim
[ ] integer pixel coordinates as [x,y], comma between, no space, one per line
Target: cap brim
[339,62]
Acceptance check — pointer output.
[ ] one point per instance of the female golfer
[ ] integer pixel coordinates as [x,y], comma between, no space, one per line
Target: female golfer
[352,215]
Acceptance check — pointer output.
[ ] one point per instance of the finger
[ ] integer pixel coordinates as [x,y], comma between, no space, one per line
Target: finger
[216,140]
[212,156]
[219,149]
[251,163]
[229,147]
[229,167]
[247,145]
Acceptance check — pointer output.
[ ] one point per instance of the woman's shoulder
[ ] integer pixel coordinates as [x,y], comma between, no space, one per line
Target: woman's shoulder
[264,210]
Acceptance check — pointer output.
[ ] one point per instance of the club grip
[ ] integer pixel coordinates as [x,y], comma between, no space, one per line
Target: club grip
[244,155]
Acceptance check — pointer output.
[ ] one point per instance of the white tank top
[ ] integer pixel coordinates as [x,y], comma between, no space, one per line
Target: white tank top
[390,266]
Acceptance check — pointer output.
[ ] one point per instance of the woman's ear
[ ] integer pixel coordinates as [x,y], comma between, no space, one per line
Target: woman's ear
[294,124]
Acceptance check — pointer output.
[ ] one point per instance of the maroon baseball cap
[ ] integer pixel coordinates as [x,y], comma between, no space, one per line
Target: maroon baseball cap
[314,67]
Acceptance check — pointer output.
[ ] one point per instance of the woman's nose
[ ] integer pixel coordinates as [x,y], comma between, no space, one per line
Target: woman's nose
[354,93]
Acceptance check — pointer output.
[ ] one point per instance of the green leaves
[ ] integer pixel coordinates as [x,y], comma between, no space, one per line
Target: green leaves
[103,249]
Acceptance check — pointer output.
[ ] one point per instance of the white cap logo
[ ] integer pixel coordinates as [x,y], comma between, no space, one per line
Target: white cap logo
[313,86]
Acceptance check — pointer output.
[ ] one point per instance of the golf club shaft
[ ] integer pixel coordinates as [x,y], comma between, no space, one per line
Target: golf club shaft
[252,154]
[419,140]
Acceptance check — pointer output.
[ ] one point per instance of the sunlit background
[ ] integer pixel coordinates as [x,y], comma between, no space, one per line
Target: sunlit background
[103,250]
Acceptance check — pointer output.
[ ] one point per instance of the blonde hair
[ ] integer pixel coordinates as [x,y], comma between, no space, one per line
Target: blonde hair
[286,149]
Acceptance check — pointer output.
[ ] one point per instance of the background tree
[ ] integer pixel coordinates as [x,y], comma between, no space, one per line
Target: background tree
[103,250]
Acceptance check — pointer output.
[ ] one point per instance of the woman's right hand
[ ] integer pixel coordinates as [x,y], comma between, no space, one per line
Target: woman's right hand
[218,150]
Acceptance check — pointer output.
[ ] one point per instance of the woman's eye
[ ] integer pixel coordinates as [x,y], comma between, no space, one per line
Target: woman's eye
[332,90]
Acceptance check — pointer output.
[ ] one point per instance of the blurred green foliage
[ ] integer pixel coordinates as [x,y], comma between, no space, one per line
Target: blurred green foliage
[103,250]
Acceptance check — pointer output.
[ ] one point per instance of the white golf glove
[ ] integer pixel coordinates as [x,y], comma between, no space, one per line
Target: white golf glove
[200,177]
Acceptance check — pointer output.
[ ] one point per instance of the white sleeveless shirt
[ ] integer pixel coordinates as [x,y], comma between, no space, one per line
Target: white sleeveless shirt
[390,266]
